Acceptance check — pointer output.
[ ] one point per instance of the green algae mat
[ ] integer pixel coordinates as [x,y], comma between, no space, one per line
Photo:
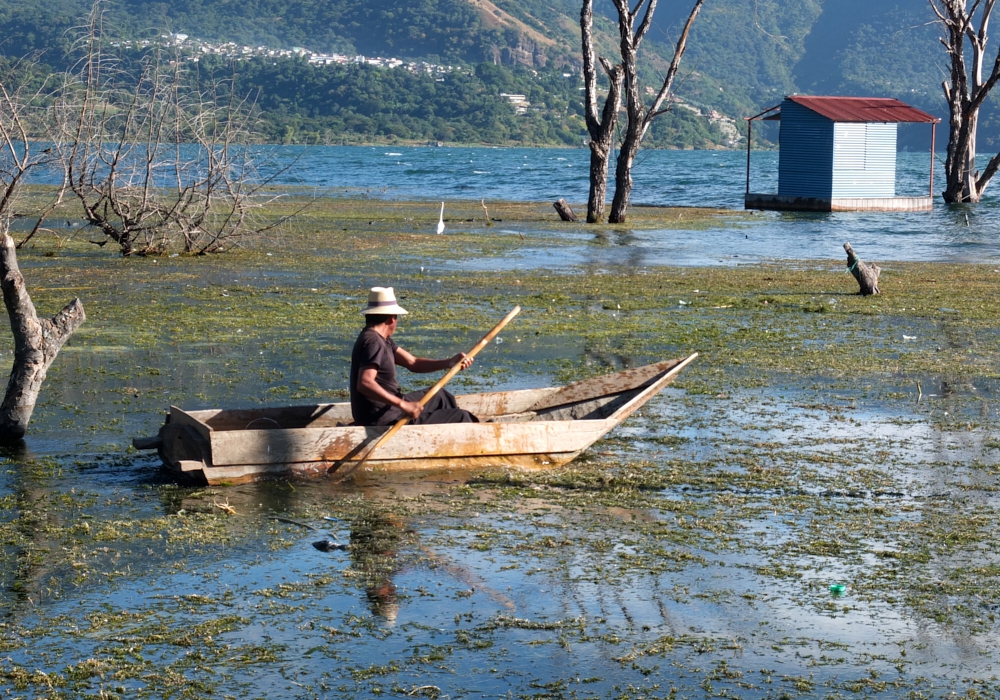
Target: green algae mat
[808,512]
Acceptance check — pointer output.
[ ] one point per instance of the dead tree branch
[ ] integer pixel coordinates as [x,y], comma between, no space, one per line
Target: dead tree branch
[639,115]
[966,29]
[158,155]
[600,126]
[36,342]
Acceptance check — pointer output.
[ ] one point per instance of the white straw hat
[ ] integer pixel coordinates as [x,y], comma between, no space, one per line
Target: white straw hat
[382,300]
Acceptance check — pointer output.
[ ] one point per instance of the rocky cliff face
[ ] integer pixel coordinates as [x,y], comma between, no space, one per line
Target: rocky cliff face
[524,53]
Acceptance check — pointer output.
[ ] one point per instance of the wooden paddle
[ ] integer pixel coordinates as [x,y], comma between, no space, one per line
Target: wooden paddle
[431,392]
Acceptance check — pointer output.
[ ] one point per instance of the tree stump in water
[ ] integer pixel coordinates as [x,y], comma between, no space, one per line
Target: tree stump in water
[37,341]
[866,274]
[565,212]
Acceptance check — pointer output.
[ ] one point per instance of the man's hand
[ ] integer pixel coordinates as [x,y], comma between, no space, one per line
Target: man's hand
[466,362]
[411,408]
[422,365]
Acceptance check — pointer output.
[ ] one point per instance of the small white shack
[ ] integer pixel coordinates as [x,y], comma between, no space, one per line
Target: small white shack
[839,154]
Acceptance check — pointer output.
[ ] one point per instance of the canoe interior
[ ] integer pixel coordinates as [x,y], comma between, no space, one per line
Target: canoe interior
[336,415]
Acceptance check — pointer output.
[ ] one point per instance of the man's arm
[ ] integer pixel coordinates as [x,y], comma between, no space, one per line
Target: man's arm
[422,365]
[368,386]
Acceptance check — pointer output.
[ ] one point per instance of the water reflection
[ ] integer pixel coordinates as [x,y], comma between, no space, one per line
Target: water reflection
[376,539]
[22,570]
[625,238]
[619,238]
[568,578]
[608,360]
[16,451]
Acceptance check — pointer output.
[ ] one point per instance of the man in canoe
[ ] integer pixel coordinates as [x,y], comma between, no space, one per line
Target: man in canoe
[375,395]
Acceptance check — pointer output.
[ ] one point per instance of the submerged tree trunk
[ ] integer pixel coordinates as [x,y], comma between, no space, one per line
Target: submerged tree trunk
[866,274]
[623,172]
[598,183]
[36,344]
[966,92]
[601,141]
[601,128]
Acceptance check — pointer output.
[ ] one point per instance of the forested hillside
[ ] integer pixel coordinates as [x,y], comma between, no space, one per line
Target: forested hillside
[744,55]
[354,104]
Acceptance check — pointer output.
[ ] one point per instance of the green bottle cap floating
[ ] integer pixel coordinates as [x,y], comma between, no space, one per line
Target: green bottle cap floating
[838,588]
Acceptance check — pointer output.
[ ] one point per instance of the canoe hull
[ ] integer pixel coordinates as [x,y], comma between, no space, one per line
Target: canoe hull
[523,429]
[248,473]
[253,455]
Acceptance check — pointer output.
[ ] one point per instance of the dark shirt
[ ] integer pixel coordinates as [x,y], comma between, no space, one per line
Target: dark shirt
[372,349]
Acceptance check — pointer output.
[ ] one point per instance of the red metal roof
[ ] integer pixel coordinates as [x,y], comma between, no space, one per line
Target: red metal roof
[864,109]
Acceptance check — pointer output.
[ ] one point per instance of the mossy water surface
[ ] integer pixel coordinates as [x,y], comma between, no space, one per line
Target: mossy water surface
[822,439]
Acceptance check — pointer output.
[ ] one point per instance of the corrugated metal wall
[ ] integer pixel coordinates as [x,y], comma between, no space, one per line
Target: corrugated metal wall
[805,158]
[864,160]
[826,160]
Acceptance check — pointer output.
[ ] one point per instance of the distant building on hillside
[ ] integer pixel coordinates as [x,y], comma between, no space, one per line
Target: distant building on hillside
[839,154]
[520,102]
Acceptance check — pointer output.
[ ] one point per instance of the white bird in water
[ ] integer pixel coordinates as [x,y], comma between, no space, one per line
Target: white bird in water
[440,228]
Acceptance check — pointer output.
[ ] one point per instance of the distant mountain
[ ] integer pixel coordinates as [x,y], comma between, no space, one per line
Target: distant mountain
[744,55]
[469,31]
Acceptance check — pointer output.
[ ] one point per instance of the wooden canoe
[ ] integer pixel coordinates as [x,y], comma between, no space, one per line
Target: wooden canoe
[533,428]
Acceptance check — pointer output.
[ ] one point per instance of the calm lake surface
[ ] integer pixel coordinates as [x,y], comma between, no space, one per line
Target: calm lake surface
[666,178]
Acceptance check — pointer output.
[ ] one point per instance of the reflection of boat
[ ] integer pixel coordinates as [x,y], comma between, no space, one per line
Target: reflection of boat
[532,428]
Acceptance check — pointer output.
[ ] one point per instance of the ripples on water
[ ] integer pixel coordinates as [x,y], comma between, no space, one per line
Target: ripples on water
[672,178]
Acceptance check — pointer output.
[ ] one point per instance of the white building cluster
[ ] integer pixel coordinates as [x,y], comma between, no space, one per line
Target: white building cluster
[520,102]
[195,48]
[727,125]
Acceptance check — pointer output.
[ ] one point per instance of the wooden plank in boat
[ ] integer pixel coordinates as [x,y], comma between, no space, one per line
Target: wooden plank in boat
[649,392]
[331,415]
[182,417]
[412,442]
[602,386]
[315,415]
[183,443]
[246,473]
[502,403]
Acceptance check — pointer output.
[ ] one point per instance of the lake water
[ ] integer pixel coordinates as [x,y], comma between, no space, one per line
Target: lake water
[689,554]
[671,178]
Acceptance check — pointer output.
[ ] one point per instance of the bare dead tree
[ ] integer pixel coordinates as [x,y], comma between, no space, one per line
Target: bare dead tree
[639,115]
[95,119]
[600,127]
[36,341]
[156,159]
[220,193]
[966,91]
[53,203]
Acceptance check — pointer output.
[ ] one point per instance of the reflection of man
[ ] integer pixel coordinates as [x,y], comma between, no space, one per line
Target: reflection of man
[375,543]
[375,395]
[375,540]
